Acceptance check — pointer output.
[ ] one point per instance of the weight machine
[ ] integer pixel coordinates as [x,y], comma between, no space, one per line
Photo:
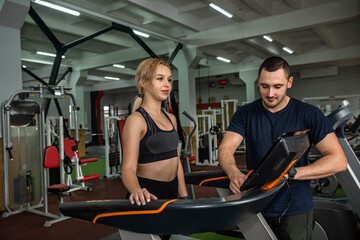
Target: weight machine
[69,156]
[227,112]
[113,146]
[21,158]
[206,138]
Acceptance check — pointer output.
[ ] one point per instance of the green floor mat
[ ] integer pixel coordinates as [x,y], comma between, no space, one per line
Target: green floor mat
[92,168]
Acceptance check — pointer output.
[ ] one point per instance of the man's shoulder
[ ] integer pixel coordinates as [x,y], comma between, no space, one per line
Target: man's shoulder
[303,105]
[252,105]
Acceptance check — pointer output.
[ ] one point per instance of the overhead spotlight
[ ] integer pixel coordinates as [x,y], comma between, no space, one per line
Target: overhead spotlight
[267,37]
[219,9]
[118,66]
[57,7]
[223,59]
[48,54]
[141,33]
[288,50]
[111,78]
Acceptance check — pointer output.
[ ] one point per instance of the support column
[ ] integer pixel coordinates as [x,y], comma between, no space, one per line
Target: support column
[185,62]
[12,17]
[76,83]
[249,77]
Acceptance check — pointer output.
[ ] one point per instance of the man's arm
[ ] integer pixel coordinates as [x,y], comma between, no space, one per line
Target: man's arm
[333,160]
[227,149]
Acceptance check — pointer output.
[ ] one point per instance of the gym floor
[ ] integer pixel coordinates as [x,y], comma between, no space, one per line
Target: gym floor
[27,225]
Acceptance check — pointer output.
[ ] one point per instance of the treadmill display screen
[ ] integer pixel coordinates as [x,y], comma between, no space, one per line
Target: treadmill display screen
[283,154]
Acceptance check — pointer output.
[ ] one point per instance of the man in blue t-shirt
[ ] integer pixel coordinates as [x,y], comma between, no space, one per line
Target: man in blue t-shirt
[290,214]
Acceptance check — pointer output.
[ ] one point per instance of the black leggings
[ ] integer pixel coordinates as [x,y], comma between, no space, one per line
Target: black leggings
[161,189]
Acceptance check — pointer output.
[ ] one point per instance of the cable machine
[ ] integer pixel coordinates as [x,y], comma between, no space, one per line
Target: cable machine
[113,147]
[23,159]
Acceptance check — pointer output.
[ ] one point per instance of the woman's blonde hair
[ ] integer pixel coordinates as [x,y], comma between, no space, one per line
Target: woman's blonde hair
[145,73]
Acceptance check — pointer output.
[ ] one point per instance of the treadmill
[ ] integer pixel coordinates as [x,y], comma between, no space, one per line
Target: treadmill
[180,216]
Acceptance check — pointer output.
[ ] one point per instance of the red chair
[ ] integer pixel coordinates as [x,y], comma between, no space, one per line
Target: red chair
[52,160]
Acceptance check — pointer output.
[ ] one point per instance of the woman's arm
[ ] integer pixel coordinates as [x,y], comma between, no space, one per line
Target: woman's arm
[134,129]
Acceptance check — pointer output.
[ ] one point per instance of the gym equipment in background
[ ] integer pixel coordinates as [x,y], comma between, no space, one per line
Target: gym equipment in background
[228,108]
[206,138]
[350,179]
[69,156]
[52,160]
[73,159]
[338,220]
[185,155]
[113,146]
[23,154]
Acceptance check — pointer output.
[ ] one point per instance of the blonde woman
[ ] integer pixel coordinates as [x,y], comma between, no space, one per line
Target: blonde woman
[151,166]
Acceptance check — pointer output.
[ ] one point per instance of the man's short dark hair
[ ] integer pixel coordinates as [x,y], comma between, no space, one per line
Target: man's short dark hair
[273,64]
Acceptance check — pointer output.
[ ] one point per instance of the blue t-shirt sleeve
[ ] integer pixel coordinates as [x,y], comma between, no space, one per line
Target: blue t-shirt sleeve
[238,122]
[320,126]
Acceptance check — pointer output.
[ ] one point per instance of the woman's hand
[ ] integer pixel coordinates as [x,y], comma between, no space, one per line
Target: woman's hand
[141,197]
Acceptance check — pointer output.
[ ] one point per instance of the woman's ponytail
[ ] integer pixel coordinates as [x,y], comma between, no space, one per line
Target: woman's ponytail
[137,102]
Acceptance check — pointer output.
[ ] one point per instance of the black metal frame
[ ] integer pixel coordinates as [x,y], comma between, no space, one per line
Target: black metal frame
[62,48]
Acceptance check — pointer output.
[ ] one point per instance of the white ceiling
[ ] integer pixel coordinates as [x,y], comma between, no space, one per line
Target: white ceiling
[321,33]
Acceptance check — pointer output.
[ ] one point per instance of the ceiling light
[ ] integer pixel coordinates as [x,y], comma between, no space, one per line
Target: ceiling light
[141,34]
[288,50]
[24,66]
[111,78]
[219,9]
[48,54]
[223,59]
[57,7]
[118,66]
[267,37]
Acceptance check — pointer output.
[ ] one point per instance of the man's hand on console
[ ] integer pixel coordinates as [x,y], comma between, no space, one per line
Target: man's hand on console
[236,180]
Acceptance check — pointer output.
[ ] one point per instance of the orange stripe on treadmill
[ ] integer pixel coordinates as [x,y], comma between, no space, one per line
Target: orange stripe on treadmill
[212,179]
[134,212]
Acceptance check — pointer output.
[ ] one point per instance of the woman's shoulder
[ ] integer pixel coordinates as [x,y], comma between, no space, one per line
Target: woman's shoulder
[135,119]
[172,117]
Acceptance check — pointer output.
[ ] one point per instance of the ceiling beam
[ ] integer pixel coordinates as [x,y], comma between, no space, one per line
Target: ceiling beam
[294,60]
[110,85]
[82,31]
[326,35]
[113,7]
[196,5]
[167,11]
[160,48]
[287,42]
[230,7]
[335,11]
[98,14]
[249,49]
[263,7]
[294,4]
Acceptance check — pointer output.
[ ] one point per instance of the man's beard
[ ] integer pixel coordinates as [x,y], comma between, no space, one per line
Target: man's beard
[273,104]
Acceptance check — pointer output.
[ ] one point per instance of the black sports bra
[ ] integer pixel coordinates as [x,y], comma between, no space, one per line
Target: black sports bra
[157,144]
